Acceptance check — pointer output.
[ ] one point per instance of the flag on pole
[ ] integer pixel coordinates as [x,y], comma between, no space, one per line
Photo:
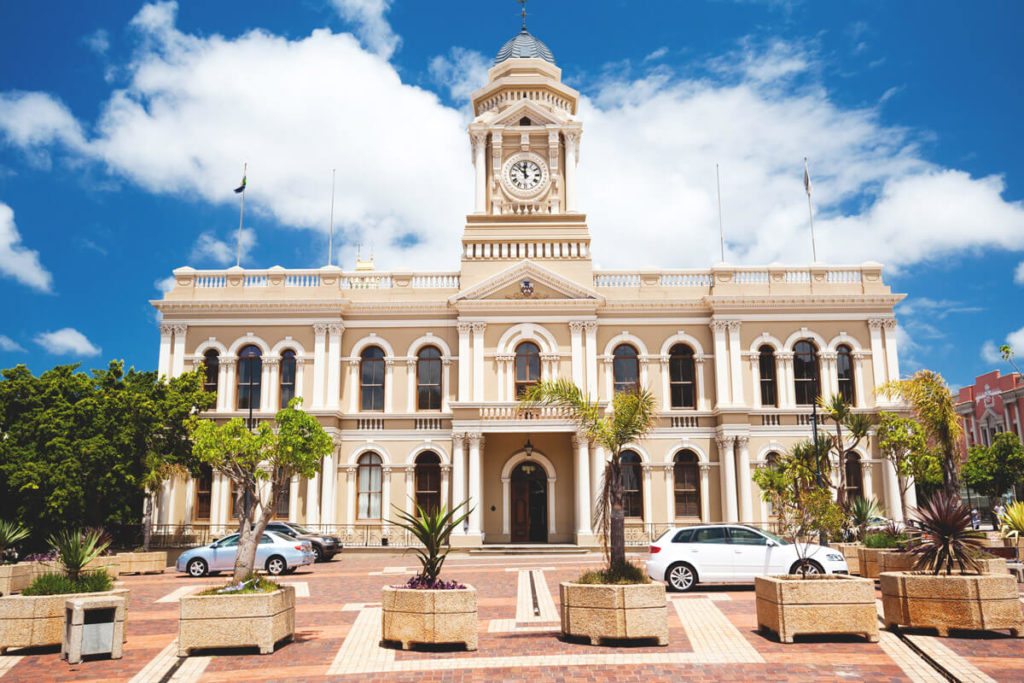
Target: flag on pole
[241,188]
[807,179]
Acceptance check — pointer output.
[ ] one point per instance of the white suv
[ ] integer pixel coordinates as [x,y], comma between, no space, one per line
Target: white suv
[725,553]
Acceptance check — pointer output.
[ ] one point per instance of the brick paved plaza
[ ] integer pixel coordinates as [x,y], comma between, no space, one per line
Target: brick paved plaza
[712,637]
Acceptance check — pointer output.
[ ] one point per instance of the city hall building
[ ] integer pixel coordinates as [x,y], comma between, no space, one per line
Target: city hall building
[416,374]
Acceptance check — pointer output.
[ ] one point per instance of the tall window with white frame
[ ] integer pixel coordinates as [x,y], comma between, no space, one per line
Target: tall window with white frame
[625,368]
[854,477]
[527,367]
[371,379]
[766,367]
[844,371]
[369,475]
[211,370]
[287,377]
[806,372]
[632,484]
[687,484]
[682,374]
[428,482]
[250,378]
[428,379]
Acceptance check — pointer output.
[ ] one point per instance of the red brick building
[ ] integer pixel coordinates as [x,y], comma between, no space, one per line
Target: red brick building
[994,404]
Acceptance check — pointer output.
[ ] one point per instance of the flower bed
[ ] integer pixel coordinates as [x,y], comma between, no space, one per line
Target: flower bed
[791,605]
[603,612]
[245,620]
[954,601]
[431,616]
[38,620]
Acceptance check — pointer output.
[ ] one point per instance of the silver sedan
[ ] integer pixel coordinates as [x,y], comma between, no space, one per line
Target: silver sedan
[277,553]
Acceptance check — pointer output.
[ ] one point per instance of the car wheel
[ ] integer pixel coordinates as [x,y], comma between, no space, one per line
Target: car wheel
[197,567]
[318,553]
[681,577]
[276,565]
[811,567]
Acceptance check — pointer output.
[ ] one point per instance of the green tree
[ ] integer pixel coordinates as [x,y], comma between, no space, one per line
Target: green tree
[994,470]
[630,419]
[838,411]
[260,463]
[1006,351]
[932,402]
[904,447]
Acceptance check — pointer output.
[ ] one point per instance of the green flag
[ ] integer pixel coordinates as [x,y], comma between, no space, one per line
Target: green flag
[241,188]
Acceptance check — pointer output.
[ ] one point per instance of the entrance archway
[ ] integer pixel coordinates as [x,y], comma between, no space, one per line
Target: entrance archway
[529,502]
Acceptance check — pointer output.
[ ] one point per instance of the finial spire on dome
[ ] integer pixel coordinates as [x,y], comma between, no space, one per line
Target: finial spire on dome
[523,3]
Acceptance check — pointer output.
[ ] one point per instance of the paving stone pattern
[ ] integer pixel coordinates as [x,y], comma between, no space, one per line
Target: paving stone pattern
[712,636]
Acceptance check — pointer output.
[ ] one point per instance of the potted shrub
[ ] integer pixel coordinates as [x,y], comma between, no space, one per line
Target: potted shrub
[945,590]
[36,617]
[14,576]
[618,601]
[250,611]
[809,602]
[427,609]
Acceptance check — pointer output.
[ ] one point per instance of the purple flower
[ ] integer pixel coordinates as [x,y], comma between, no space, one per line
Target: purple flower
[418,582]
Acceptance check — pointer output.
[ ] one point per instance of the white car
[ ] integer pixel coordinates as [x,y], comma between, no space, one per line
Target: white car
[726,553]
[277,553]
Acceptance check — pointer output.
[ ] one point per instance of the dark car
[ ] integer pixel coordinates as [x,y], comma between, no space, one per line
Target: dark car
[324,547]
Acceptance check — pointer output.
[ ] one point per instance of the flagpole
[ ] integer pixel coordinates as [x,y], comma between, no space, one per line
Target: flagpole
[241,214]
[721,232]
[810,211]
[330,239]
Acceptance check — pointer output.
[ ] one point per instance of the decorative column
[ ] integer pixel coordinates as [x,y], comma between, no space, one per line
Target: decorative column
[702,395]
[410,488]
[572,157]
[755,379]
[647,491]
[385,492]
[590,354]
[719,328]
[352,504]
[551,506]
[829,375]
[319,364]
[581,453]
[313,500]
[576,349]
[670,492]
[329,511]
[891,358]
[446,382]
[300,363]
[222,384]
[865,478]
[164,363]
[727,471]
[270,397]
[353,385]
[334,365]
[464,360]
[178,359]
[735,364]
[476,442]
[190,499]
[743,480]
[705,492]
[860,399]
[785,389]
[293,498]
[229,363]
[446,474]
[216,502]
[458,475]
[478,361]
[598,460]
[480,165]
[389,384]
[609,379]
[410,383]
[506,376]
[506,506]
[644,375]
[892,494]
[666,394]
[878,357]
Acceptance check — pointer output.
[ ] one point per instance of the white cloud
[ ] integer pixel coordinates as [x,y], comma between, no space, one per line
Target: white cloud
[460,72]
[990,352]
[67,341]
[1018,275]
[223,252]
[1016,341]
[98,41]
[9,345]
[15,260]
[164,285]
[371,26]
[32,119]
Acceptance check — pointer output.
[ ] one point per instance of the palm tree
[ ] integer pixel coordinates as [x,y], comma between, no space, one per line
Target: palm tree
[932,402]
[837,409]
[631,418]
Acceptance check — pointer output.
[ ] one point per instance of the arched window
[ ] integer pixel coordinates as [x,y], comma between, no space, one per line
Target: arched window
[625,368]
[428,481]
[682,376]
[844,370]
[527,367]
[854,477]
[369,475]
[211,368]
[806,373]
[371,379]
[632,484]
[287,377]
[250,377]
[766,365]
[687,484]
[428,379]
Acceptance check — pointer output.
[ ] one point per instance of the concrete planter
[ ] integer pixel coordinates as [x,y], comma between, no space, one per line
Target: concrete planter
[868,559]
[957,601]
[614,612]
[429,616]
[896,561]
[38,620]
[849,551]
[108,563]
[255,620]
[142,563]
[837,603]
[15,578]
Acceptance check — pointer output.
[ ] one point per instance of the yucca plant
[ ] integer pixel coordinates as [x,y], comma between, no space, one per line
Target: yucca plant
[944,536]
[1011,521]
[861,511]
[10,533]
[77,548]
[432,528]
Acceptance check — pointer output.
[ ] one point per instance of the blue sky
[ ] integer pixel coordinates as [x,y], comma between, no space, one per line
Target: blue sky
[124,126]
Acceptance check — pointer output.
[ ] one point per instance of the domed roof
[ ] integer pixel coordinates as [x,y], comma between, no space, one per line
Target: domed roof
[524,46]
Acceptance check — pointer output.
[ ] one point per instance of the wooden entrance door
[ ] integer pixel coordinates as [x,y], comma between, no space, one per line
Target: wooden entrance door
[529,492]
[520,511]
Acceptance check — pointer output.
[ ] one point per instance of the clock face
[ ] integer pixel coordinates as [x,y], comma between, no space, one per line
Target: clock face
[525,174]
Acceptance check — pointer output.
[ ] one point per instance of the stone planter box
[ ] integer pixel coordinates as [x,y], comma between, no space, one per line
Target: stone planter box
[603,612]
[849,551]
[142,563]
[109,563]
[791,606]
[254,620]
[868,559]
[957,601]
[15,578]
[429,616]
[38,620]
[895,561]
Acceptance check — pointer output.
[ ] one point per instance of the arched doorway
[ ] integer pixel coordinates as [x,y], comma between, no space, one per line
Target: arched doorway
[529,493]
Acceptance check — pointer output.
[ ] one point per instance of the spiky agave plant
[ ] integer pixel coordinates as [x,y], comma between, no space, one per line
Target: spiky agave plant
[1011,521]
[77,549]
[944,536]
[432,527]
[860,512]
[10,533]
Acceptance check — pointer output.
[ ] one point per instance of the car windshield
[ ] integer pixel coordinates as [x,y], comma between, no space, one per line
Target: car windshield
[300,529]
[773,537]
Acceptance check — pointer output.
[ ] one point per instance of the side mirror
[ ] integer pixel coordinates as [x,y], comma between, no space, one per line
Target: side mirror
[771,543]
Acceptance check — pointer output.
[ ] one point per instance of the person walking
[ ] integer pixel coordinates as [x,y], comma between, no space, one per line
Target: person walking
[975,519]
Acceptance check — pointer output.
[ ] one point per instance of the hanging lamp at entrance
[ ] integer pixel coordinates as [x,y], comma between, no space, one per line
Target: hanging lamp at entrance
[528,448]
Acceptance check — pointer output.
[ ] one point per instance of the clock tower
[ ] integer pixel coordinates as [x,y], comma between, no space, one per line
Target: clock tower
[525,139]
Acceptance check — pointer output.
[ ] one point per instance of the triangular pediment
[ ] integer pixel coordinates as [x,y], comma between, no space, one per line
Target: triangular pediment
[526,281]
[538,115]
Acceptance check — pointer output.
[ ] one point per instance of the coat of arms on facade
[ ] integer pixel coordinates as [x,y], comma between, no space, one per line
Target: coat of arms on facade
[526,288]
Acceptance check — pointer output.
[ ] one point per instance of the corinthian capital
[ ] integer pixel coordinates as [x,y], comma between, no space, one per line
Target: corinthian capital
[479,327]
[876,323]
[166,328]
[576,325]
[724,442]
[320,329]
[180,328]
[464,328]
[719,325]
[335,328]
